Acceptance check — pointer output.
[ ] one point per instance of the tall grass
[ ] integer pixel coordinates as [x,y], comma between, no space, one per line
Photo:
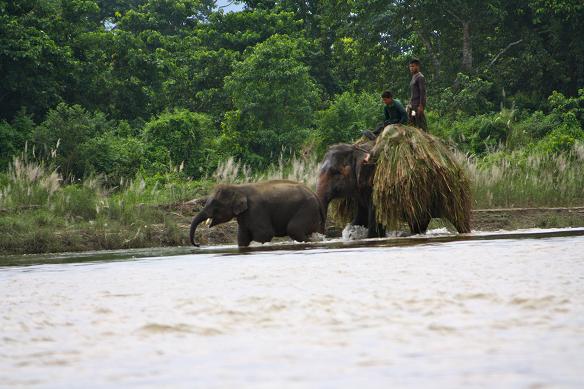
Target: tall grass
[499,180]
[40,213]
[507,180]
[28,184]
[303,169]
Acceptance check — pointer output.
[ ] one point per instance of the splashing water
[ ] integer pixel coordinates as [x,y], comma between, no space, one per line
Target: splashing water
[354,232]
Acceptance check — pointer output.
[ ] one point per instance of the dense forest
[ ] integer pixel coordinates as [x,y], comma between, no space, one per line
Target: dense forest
[126,87]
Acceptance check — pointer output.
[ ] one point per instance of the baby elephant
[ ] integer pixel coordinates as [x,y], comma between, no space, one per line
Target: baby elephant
[264,210]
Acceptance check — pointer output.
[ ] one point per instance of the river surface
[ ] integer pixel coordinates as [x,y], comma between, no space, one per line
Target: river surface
[503,311]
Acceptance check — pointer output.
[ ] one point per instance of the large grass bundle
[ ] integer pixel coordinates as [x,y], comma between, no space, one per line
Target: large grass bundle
[341,211]
[417,177]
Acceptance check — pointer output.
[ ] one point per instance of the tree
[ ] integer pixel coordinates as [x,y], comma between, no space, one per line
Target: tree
[274,94]
[64,130]
[168,17]
[31,61]
[188,138]
[346,117]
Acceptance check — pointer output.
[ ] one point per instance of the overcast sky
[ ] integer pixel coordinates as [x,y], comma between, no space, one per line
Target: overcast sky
[230,8]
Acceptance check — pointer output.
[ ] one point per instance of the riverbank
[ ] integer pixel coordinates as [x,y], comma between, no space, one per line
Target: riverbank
[173,221]
[41,212]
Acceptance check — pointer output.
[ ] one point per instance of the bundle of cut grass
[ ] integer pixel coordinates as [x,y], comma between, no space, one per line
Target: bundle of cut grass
[417,178]
[341,211]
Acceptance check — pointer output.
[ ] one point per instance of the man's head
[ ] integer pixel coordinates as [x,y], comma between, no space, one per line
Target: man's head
[414,66]
[387,97]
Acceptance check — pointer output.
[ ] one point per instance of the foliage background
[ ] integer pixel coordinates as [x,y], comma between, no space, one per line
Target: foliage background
[121,88]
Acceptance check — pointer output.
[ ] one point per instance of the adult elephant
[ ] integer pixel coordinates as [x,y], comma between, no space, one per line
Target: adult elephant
[346,173]
[264,210]
[425,182]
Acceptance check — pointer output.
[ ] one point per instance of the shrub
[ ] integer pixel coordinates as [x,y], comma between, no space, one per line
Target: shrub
[13,137]
[478,134]
[561,105]
[116,157]
[470,96]
[187,136]
[7,146]
[78,201]
[530,128]
[563,137]
[274,97]
[68,127]
[349,114]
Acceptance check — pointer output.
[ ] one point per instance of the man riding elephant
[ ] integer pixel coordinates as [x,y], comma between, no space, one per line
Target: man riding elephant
[393,112]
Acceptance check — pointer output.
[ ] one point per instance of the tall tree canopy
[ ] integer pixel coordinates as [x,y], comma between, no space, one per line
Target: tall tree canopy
[258,76]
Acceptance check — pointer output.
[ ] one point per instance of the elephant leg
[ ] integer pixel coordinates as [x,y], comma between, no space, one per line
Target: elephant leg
[262,234]
[243,237]
[375,230]
[419,226]
[297,234]
[303,224]
[362,217]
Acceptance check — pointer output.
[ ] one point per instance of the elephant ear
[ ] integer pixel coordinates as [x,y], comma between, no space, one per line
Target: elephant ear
[363,167]
[239,203]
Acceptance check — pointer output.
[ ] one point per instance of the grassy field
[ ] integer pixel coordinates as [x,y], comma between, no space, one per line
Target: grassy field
[39,213]
[515,180]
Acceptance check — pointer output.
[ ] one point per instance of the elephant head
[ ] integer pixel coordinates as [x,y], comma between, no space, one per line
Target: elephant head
[343,172]
[227,202]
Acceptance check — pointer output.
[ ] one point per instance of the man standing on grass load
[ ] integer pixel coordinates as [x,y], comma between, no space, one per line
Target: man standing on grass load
[418,97]
[393,113]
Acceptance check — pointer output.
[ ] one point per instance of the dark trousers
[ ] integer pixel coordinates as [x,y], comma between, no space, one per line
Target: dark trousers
[419,120]
[381,126]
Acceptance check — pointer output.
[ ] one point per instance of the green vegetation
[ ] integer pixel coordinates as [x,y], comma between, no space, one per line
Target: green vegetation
[122,108]
[38,213]
[520,179]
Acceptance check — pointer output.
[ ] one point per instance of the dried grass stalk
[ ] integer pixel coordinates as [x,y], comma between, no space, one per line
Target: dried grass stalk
[417,177]
[341,211]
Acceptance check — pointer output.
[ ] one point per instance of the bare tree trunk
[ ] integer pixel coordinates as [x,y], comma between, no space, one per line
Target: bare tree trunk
[435,60]
[466,44]
[466,47]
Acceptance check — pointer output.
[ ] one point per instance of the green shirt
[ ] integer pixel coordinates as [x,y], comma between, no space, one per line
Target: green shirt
[395,113]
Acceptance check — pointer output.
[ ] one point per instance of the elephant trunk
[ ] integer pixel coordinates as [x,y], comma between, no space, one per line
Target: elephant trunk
[324,199]
[201,216]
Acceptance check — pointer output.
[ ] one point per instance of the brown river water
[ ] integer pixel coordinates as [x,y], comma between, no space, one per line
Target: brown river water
[482,310]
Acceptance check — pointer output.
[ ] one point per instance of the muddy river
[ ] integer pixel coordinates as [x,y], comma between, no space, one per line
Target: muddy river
[499,310]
